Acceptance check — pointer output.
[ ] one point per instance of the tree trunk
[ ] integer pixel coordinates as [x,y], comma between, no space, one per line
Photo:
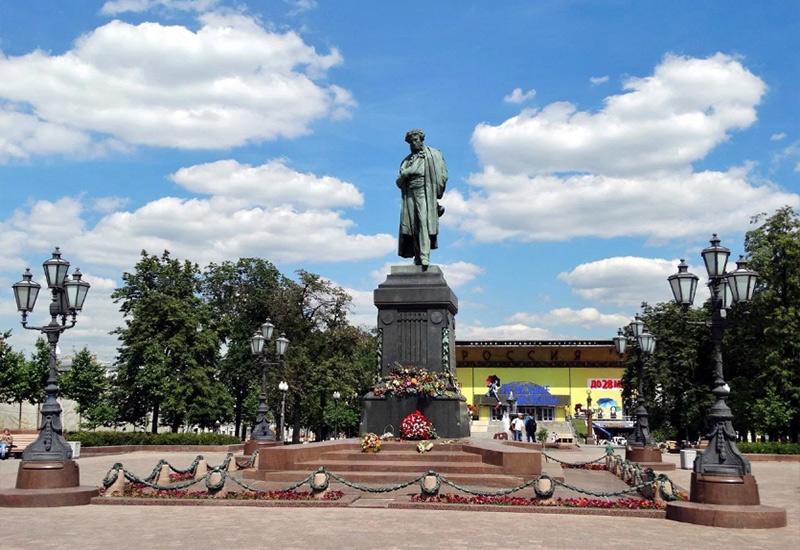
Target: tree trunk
[237,419]
[295,425]
[154,425]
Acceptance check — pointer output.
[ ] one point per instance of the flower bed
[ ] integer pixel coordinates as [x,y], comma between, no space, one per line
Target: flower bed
[507,500]
[109,438]
[594,466]
[184,476]
[139,490]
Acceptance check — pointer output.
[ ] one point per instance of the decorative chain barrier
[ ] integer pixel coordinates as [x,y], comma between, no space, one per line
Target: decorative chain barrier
[642,481]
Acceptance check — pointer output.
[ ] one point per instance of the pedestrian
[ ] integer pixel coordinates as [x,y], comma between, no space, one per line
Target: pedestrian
[6,442]
[530,428]
[517,425]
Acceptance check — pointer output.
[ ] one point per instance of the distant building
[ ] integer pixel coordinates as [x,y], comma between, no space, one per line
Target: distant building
[548,378]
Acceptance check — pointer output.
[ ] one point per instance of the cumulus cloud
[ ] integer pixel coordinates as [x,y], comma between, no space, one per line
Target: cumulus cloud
[777,137]
[229,83]
[553,208]
[272,183]
[518,96]
[108,204]
[597,80]
[115,7]
[457,273]
[663,122]
[625,170]
[588,318]
[514,331]
[628,281]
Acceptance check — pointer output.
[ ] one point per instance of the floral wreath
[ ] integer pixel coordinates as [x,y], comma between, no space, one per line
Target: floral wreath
[407,381]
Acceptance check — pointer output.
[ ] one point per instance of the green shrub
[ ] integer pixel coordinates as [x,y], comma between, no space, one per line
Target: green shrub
[770,447]
[108,438]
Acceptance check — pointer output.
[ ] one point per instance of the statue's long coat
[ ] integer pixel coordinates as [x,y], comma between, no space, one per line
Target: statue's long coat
[435,183]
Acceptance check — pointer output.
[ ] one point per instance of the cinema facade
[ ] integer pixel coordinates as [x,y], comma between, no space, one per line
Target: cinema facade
[547,378]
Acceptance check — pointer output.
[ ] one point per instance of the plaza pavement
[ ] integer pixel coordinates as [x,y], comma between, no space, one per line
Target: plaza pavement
[146,527]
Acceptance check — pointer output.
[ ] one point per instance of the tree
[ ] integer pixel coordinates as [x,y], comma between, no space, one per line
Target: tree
[774,249]
[677,374]
[242,295]
[22,380]
[168,361]
[86,383]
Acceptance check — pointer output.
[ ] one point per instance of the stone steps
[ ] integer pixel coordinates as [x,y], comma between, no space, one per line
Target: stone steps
[403,466]
[389,478]
[395,456]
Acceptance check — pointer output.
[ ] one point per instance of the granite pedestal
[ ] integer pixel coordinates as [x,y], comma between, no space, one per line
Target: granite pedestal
[416,328]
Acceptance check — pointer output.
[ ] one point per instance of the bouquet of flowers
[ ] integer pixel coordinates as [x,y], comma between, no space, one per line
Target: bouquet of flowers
[409,381]
[416,426]
[370,443]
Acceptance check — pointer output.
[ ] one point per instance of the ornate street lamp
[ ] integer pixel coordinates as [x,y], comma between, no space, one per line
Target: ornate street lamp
[336,397]
[283,387]
[645,344]
[67,298]
[683,284]
[721,457]
[261,431]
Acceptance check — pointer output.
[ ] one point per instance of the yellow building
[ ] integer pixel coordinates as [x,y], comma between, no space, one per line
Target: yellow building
[565,370]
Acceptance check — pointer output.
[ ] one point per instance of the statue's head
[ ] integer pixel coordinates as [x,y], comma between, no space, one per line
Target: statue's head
[415,138]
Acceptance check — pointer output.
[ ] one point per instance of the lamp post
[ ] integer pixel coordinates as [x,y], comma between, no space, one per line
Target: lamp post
[47,475]
[261,431]
[336,397]
[722,486]
[590,439]
[67,297]
[645,345]
[283,387]
[721,457]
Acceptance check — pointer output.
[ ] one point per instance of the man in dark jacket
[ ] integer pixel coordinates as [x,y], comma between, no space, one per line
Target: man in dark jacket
[530,428]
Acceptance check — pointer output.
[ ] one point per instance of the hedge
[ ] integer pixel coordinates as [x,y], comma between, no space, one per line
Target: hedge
[770,447]
[106,438]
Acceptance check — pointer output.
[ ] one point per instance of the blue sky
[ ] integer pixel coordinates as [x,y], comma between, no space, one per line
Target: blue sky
[590,145]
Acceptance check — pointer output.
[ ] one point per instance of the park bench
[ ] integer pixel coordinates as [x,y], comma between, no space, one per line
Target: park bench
[21,441]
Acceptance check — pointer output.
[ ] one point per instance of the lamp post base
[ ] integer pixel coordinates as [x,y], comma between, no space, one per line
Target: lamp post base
[726,501]
[647,456]
[251,445]
[48,483]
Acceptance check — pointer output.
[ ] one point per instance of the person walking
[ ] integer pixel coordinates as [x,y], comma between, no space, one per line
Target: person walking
[6,442]
[517,425]
[530,428]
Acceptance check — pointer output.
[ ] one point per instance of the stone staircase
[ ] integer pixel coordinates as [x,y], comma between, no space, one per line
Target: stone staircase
[398,462]
[563,430]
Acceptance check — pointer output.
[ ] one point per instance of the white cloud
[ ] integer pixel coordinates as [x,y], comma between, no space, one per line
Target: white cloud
[516,331]
[115,7]
[588,318]
[109,204]
[628,281]
[272,183]
[626,170]
[518,96]
[552,208]
[457,274]
[363,312]
[777,137]
[597,80]
[662,122]
[300,6]
[229,83]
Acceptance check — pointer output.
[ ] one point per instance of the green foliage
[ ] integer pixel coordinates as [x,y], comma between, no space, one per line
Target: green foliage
[769,447]
[87,384]
[579,425]
[107,438]
[23,380]
[664,433]
[168,360]
[541,435]
[771,413]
